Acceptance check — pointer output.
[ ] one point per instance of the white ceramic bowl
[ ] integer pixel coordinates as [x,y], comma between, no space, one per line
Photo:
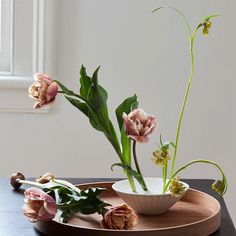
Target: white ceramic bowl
[151,202]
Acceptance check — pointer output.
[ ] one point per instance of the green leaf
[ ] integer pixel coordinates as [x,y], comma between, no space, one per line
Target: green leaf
[70,202]
[126,106]
[83,107]
[97,100]
[132,172]
[85,82]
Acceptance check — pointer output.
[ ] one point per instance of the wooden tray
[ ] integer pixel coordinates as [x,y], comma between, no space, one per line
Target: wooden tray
[197,213]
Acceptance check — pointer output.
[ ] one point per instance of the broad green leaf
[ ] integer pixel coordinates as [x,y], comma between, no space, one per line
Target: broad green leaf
[97,99]
[126,106]
[85,82]
[83,107]
[95,76]
[95,122]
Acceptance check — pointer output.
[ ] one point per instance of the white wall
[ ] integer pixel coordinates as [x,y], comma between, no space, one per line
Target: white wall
[138,52]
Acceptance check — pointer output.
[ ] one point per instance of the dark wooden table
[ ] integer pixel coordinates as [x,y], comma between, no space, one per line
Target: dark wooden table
[13,223]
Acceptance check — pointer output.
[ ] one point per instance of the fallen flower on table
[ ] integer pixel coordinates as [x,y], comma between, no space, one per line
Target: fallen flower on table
[120,217]
[56,197]
[39,205]
[45,178]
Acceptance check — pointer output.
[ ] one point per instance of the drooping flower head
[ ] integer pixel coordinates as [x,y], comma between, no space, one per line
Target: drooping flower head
[138,125]
[219,186]
[39,205]
[120,217]
[162,155]
[176,187]
[43,90]
[206,26]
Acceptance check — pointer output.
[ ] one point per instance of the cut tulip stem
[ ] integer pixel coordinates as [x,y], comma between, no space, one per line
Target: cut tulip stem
[144,186]
[31,183]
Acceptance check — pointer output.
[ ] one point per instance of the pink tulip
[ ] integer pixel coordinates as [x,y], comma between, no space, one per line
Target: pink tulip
[139,124]
[120,217]
[39,205]
[43,90]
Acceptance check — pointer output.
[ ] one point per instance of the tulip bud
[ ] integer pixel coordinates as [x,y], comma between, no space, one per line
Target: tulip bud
[14,181]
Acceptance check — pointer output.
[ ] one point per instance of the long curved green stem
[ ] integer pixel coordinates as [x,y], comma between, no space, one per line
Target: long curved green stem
[183,107]
[191,39]
[193,162]
[180,13]
[144,186]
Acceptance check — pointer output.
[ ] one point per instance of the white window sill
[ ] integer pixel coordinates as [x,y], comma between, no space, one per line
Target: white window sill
[15,82]
[14,96]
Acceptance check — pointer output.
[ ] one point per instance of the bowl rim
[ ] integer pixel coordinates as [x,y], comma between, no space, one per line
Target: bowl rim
[148,194]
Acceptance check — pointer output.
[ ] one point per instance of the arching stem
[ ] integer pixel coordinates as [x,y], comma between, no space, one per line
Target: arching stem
[193,162]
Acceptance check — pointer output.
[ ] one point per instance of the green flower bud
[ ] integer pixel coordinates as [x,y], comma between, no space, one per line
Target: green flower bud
[219,186]
[206,26]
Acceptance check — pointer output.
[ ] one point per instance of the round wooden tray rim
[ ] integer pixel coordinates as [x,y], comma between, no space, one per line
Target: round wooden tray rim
[163,229]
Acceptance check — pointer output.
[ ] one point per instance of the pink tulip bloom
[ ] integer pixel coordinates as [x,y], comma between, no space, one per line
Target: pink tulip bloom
[43,90]
[139,124]
[39,205]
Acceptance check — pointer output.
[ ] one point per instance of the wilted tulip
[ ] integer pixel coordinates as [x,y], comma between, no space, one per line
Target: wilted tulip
[139,124]
[120,217]
[45,178]
[39,205]
[43,90]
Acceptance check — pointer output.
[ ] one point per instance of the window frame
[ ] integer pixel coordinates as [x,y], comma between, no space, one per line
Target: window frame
[9,81]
